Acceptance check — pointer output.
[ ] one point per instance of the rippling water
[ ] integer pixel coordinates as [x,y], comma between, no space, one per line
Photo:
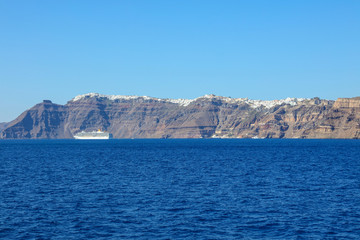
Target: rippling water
[180,189]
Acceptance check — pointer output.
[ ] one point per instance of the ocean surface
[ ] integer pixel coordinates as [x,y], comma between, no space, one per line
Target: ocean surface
[180,189]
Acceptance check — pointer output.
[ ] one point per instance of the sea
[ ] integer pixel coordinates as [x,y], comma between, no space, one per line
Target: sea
[180,189]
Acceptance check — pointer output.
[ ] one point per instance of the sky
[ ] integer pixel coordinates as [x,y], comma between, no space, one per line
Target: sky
[258,49]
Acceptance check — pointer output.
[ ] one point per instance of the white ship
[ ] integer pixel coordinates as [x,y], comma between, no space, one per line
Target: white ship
[93,135]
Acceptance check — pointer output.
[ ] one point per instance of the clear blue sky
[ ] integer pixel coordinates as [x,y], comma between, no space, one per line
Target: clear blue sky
[258,49]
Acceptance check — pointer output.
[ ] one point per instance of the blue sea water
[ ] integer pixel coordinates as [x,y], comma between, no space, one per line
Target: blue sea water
[180,189]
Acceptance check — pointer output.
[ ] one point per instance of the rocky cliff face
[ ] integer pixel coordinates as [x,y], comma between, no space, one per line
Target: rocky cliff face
[347,103]
[343,121]
[205,117]
[3,125]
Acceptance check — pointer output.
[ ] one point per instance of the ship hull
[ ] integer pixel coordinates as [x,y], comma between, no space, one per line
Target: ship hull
[86,138]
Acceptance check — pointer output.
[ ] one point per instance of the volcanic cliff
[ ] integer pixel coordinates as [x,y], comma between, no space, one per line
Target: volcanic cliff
[209,116]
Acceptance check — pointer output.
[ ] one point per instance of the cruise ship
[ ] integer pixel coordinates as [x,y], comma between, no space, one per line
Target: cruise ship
[93,135]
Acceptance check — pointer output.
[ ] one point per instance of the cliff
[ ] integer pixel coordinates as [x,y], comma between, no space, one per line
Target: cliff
[3,125]
[347,103]
[209,116]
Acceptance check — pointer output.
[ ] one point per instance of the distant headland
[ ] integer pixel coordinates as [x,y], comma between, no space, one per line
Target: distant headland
[208,116]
